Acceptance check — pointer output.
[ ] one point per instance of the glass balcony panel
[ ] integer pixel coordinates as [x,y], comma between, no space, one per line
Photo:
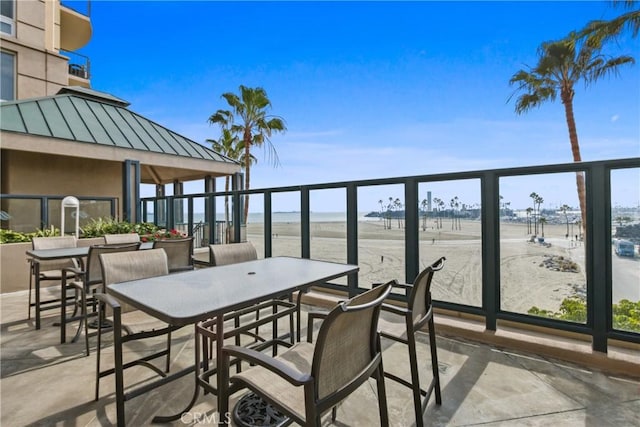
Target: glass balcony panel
[224,219]
[542,253]
[449,226]
[160,218]
[20,215]
[181,214]
[255,223]
[625,256]
[328,226]
[381,239]
[285,224]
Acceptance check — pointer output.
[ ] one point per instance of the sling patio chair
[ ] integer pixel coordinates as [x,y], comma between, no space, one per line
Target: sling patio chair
[122,267]
[246,321]
[179,253]
[407,322]
[50,271]
[308,379]
[86,282]
[121,238]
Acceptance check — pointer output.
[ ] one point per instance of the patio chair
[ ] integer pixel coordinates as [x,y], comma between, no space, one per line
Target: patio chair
[179,252]
[50,271]
[86,282]
[110,239]
[121,267]
[307,380]
[417,314]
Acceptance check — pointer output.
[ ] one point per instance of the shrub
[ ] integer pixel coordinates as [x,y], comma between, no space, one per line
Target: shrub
[626,314]
[95,228]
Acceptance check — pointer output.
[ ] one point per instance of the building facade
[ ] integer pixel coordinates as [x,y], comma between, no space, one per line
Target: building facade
[38,43]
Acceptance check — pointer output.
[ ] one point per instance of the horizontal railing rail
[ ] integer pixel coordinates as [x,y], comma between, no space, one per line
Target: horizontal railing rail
[597,235]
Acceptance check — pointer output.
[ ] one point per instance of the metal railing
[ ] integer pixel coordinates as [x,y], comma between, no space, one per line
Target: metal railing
[79,64]
[596,245]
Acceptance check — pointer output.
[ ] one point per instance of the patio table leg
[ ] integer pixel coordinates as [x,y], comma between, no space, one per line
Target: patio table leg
[223,374]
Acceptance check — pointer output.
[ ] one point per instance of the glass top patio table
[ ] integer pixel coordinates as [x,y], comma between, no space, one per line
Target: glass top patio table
[187,298]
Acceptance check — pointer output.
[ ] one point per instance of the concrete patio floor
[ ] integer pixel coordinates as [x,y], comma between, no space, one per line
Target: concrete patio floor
[45,383]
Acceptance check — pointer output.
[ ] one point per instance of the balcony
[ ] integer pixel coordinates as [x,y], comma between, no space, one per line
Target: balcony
[75,25]
[79,69]
[499,361]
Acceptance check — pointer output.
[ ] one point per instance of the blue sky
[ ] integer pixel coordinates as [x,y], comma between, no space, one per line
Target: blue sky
[367,90]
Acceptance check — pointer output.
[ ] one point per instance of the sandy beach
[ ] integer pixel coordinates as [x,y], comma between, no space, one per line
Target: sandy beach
[525,280]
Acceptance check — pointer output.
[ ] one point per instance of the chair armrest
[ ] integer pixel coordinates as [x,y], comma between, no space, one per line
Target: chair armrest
[311,316]
[394,309]
[274,365]
[107,299]
[72,272]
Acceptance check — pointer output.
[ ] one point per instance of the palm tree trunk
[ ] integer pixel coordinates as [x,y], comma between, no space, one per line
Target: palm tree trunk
[567,100]
[226,208]
[247,168]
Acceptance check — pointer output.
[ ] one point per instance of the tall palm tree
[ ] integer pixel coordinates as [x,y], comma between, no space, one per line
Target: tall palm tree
[231,146]
[249,120]
[561,65]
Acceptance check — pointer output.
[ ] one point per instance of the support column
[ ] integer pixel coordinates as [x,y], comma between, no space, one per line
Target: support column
[210,208]
[131,191]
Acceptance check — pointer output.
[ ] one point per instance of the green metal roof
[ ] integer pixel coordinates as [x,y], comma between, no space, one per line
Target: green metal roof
[88,116]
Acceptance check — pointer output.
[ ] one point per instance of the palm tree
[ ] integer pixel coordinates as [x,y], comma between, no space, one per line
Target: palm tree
[529,220]
[564,209]
[598,32]
[543,221]
[436,206]
[255,126]
[561,65]
[423,210]
[398,205]
[229,145]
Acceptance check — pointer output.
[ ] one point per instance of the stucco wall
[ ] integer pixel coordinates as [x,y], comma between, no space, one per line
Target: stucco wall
[46,175]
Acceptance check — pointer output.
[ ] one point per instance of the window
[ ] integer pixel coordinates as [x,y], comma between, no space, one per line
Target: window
[7,17]
[8,76]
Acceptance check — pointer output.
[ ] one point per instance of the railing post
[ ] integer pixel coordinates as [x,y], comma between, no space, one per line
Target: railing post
[598,262]
[305,229]
[411,238]
[268,231]
[210,207]
[490,248]
[352,236]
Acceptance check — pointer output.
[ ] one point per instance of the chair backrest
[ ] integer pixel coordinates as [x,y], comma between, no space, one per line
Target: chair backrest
[56,242]
[93,268]
[125,266]
[232,253]
[420,297]
[111,239]
[179,252]
[347,343]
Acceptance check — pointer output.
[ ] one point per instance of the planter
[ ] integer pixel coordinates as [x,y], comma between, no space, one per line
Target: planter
[14,268]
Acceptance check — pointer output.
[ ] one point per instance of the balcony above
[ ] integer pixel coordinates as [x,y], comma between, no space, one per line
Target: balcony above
[75,29]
